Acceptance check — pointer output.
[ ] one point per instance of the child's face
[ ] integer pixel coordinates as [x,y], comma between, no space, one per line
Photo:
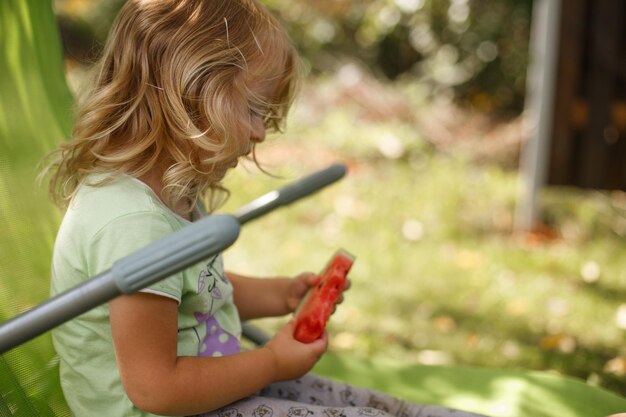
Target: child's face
[264,91]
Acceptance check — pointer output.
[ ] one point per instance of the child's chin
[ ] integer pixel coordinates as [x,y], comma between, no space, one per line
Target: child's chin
[222,170]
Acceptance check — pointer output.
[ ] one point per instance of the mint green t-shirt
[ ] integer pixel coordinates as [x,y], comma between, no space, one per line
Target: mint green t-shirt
[102,225]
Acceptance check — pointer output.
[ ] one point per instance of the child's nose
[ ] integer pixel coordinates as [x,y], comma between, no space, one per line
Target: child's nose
[257,133]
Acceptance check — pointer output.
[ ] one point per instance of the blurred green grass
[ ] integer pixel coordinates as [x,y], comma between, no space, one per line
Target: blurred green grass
[440,276]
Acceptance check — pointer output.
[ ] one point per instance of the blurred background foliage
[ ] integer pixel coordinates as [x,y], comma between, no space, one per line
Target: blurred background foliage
[423,100]
[475,52]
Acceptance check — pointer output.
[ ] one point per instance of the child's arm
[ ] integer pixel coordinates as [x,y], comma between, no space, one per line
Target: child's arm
[269,297]
[144,329]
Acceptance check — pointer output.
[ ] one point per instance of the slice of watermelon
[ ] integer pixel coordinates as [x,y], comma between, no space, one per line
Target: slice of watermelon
[317,306]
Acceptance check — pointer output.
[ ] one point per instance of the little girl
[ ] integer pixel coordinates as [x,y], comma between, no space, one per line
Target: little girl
[183,90]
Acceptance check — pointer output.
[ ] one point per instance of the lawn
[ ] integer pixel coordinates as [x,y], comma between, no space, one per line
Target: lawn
[440,276]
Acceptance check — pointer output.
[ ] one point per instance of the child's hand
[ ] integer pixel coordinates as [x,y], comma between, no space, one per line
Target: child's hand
[299,286]
[293,359]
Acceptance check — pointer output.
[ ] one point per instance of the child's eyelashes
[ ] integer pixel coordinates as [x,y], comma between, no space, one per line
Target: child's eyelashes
[261,112]
[265,113]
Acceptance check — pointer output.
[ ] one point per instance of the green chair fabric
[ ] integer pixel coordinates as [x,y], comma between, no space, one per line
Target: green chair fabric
[35,113]
[493,392]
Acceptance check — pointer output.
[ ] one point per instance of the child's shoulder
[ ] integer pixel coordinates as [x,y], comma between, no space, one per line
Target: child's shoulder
[99,202]
[104,222]
[120,192]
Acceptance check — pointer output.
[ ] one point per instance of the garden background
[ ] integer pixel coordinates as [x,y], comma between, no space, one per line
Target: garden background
[423,100]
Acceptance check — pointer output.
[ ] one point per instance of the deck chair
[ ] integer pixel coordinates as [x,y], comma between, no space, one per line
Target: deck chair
[34,114]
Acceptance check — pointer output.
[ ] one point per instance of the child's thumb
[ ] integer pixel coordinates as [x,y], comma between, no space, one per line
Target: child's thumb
[290,326]
[320,344]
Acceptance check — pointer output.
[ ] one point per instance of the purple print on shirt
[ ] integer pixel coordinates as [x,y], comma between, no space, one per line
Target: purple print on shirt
[217,341]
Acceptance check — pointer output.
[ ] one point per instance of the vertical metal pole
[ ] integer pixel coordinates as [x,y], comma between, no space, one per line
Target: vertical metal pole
[539,110]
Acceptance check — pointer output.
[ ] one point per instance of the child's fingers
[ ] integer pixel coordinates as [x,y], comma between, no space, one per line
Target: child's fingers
[313,279]
[320,345]
[288,329]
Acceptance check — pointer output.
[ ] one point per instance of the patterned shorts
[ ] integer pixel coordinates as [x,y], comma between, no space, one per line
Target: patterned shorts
[312,396]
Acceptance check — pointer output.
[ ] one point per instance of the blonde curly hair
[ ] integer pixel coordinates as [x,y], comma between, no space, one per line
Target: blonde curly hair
[172,89]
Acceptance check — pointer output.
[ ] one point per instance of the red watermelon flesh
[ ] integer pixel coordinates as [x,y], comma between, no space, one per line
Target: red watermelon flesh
[318,305]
